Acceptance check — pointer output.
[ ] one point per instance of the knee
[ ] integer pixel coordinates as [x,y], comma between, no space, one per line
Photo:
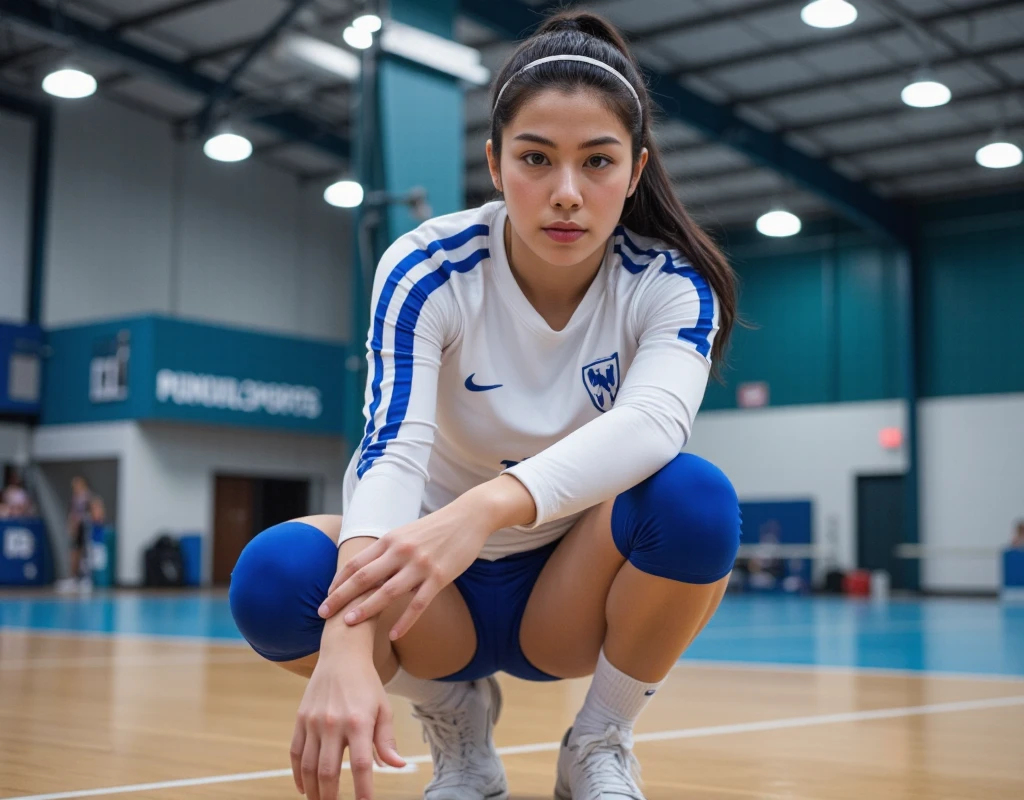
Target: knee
[277,585]
[682,523]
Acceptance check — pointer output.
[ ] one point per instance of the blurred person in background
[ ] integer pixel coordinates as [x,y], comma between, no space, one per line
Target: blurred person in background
[15,501]
[1017,542]
[85,510]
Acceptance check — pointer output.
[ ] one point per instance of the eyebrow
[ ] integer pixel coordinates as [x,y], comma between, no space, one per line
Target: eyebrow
[600,140]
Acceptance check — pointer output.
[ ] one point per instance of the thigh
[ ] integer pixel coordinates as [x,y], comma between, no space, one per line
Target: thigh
[564,623]
[442,641]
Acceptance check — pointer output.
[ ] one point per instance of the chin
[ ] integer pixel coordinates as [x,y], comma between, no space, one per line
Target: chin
[563,255]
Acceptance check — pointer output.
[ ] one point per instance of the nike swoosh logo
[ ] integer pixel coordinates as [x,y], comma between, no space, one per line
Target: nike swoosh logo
[475,387]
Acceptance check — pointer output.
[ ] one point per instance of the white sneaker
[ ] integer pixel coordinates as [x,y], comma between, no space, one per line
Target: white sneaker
[466,765]
[598,767]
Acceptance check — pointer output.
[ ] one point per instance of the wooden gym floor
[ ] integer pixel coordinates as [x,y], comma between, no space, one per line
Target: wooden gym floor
[115,695]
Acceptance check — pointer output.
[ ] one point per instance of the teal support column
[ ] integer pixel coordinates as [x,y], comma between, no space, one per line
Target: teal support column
[367,170]
[422,121]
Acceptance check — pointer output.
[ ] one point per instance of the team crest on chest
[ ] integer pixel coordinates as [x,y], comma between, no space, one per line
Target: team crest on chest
[602,381]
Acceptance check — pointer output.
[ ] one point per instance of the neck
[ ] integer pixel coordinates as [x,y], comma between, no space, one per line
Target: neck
[554,292]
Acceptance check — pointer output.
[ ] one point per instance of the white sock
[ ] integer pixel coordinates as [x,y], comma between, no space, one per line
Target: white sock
[614,699]
[420,691]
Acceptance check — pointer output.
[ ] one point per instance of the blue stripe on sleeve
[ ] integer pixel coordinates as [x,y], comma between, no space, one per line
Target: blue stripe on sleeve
[405,339]
[699,334]
[399,271]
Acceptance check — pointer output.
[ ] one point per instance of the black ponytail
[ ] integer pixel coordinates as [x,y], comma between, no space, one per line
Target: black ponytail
[654,210]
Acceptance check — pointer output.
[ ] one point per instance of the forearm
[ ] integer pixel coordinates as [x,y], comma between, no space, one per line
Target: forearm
[353,639]
[598,461]
[499,503]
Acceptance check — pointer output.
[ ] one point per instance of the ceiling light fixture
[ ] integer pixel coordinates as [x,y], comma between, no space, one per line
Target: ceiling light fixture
[829,14]
[779,223]
[925,91]
[69,83]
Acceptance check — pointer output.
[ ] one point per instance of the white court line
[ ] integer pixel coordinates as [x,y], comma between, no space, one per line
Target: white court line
[830,669]
[150,661]
[142,637]
[838,629]
[658,736]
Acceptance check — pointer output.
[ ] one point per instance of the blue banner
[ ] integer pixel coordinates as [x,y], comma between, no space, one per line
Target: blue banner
[24,553]
[155,368]
[778,522]
[20,369]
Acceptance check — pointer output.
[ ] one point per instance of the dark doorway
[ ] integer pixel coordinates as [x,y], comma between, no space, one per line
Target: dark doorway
[880,528]
[243,507]
[279,501]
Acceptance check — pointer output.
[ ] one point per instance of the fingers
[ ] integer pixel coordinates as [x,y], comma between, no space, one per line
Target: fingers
[361,581]
[360,560]
[309,766]
[401,584]
[331,745]
[384,739]
[414,610]
[360,755]
[297,747]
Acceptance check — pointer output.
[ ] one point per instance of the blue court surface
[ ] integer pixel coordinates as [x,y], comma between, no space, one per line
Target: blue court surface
[980,637]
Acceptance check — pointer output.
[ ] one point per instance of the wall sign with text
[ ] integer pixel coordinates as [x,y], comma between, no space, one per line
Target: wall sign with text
[157,368]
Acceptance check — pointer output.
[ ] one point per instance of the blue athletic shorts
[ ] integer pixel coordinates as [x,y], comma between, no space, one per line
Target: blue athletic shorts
[496,593]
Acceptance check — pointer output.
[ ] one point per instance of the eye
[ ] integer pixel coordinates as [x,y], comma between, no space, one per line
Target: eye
[535,159]
[598,162]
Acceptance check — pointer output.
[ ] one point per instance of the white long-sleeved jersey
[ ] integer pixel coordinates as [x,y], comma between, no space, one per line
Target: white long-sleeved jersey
[466,379]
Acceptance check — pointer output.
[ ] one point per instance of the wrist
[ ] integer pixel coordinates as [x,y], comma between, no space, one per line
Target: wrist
[352,641]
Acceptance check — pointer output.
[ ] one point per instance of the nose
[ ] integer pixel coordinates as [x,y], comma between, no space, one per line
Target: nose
[567,189]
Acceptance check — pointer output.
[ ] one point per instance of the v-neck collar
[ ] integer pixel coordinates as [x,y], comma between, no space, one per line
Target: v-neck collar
[520,303]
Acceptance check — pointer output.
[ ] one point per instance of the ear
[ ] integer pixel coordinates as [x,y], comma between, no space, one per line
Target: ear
[641,162]
[492,165]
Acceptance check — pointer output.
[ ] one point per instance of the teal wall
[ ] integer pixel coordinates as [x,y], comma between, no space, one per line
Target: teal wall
[972,309]
[824,325]
[827,309]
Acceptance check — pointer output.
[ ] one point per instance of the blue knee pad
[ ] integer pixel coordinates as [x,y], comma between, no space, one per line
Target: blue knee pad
[279,582]
[682,523]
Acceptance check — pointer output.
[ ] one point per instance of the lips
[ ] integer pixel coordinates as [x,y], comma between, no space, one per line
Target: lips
[564,234]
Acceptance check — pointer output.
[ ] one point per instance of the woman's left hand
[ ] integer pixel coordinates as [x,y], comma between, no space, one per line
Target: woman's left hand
[426,555]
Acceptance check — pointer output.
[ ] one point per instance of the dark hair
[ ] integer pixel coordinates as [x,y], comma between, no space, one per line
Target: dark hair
[654,210]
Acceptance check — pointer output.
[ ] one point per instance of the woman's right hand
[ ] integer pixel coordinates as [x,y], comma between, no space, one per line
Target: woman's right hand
[344,706]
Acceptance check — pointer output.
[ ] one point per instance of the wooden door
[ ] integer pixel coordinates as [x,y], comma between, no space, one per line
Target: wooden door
[234,524]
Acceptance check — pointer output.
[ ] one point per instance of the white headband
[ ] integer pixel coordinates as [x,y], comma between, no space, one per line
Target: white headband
[585,59]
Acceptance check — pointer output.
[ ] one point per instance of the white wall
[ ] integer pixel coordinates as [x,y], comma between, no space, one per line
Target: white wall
[142,223]
[16,152]
[811,451]
[167,474]
[972,484]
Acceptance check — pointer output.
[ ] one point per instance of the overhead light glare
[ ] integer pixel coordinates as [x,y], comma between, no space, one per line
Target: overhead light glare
[779,223]
[829,14]
[69,84]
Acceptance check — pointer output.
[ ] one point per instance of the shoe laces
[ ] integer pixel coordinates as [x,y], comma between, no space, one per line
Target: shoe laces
[449,732]
[608,761]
